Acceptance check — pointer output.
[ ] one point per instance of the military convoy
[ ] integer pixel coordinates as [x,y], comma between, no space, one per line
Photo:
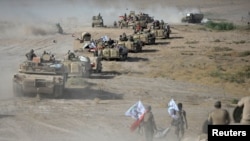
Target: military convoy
[97,21]
[46,76]
[193,18]
[40,76]
[132,20]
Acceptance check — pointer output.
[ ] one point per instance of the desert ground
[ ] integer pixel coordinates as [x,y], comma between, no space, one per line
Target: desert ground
[188,67]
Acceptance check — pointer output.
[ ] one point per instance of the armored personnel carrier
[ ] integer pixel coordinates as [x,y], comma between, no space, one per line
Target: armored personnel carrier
[97,21]
[141,19]
[112,53]
[41,76]
[160,30]
[131,44]
[82,66]
[145,37]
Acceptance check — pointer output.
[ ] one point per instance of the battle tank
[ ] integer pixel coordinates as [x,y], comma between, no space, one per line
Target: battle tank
[82,66]
[41,76]
[131,44]
[145,37]
[97,21]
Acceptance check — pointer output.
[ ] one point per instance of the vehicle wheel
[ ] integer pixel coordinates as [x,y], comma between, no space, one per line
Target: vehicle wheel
[17,89]
[138,49]
[124,57]
[58,91]
[86,74]
[168,35]
[237,114]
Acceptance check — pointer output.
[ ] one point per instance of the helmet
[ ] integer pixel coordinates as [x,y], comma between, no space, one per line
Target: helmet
[217,104]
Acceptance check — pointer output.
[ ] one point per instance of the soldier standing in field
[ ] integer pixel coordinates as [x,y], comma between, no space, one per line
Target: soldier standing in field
[245,101]
[180,121]
[148,124]
[219,116]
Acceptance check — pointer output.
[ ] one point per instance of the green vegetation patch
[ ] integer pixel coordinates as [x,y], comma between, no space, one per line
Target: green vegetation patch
[220,25]
[239,42]
[244,53]
[219,49]
[238,77]
[192,42]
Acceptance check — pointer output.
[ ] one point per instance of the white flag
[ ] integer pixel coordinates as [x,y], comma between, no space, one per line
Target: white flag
[136,111]
[172,107]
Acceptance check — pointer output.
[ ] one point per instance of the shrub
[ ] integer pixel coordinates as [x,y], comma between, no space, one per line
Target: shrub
[220,25]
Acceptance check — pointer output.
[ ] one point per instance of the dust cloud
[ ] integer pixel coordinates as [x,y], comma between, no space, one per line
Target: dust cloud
[38,18]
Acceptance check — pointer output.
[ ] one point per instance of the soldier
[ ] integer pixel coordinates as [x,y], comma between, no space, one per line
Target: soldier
[124,36]
[30,55]
[131,39]
[148,124]
[219,116]
[162,24]
[115,24]
[180,121]
[71,55]
[245,101]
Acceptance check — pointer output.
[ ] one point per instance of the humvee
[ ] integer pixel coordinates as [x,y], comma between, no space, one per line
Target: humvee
[41,76]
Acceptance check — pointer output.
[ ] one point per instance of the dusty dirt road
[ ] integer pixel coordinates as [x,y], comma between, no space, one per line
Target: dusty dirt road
[93,109]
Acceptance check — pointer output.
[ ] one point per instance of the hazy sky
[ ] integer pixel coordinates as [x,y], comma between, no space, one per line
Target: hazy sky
[82,10]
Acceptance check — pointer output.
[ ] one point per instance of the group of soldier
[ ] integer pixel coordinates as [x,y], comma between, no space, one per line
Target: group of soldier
[46,57]
[218,116]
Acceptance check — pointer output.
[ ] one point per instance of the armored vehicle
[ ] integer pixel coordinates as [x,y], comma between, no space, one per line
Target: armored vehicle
[131,44]
[145,37]
[40,76]
[112,52]
[81,66]
[141,19]
[193,18]
[82,42]
[160,30]
[97,21]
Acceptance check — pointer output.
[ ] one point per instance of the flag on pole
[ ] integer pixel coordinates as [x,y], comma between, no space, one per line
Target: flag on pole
[172,107]
[137,112]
